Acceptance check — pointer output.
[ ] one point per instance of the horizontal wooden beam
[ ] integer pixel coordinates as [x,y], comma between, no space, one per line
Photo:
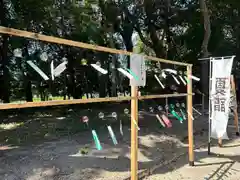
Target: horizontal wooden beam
[82,101]
[62,102]
[51,39]
[162,96]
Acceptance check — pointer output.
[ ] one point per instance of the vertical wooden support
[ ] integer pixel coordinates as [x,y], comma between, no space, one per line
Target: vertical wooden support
[134,133]
[190,120]
[220,142]
[203,102]
[233,87]
[236,121]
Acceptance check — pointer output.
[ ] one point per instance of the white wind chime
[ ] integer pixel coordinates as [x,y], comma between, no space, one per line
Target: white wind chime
[175,75]
[55,72]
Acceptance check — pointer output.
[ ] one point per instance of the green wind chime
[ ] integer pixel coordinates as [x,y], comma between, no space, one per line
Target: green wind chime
[85,119]
[181,111]
[175,114]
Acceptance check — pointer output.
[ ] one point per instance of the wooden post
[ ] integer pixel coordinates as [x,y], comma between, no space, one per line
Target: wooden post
[190,120]
[134,133]
[220,142]
[233,88]
[236,121]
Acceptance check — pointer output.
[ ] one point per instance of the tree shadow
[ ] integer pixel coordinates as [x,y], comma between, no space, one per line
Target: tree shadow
[157,145]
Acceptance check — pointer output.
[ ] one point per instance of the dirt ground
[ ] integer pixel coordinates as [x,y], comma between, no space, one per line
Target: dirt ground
[222,164]
[48,147]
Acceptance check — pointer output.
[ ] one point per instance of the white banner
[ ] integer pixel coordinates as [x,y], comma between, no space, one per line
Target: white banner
[220,96]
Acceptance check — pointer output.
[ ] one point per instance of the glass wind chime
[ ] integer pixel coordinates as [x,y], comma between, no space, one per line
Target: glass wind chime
[178,111]
[101,116]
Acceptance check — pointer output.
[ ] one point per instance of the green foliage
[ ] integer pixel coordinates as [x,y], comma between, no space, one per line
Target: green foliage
[168,30]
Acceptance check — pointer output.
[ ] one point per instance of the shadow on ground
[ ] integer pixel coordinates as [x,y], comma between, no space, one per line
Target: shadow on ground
[49,145]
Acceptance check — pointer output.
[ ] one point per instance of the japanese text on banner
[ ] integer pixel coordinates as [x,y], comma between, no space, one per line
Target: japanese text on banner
[220,95]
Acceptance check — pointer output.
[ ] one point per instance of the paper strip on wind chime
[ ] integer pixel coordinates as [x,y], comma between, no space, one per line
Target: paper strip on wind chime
[99,69]
[160,120]
[96,140]
[166,120]
[174,113]
[124,72]
[38,70]
[60,68]
[159,81]
[114,139]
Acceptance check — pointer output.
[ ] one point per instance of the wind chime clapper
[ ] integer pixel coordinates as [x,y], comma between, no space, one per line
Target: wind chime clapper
[111,133]
[115,116]
[183,106]
[126,112]
[85,119]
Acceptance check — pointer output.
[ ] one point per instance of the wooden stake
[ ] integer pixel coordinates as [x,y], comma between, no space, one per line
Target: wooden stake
[220,142]
[190,120]
[233,88]
[236,121]
[134,133]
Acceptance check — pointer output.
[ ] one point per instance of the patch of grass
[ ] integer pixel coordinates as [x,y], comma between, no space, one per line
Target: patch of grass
[84,150]
[10,126]
[52,98]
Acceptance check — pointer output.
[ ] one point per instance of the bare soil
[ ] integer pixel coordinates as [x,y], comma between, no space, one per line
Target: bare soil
[50,146]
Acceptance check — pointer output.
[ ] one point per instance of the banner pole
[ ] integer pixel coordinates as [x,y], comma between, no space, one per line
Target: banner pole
[209,108]
[190,120]
[134,132]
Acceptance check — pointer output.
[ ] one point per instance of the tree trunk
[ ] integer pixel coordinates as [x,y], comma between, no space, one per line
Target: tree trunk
[113,69]
[103,79]
[5,64]
[71,79]
[207,33]
[156,42]
[127,38]
[207,28]
[26,77]
[28,87]
[4,57]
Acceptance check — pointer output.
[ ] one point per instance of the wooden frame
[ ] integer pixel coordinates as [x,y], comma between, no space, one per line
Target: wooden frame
[82,101]
[134,91]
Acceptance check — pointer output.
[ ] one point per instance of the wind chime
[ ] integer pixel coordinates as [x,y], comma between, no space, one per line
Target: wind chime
[101,116]
[178,111]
